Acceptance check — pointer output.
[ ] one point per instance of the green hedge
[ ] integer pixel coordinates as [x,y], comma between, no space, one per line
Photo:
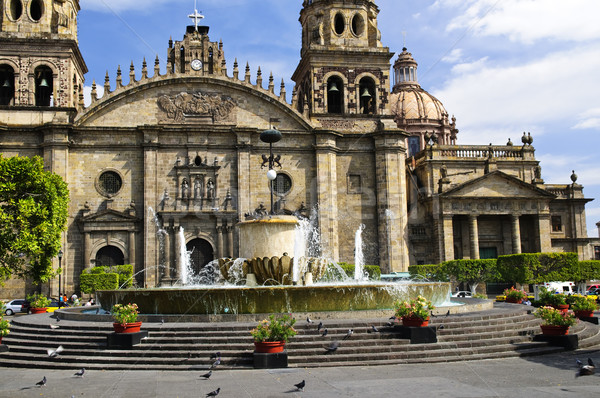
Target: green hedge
[589,270]
[124,277]
[373,271]
[539,267]
[432,272]
[472,271]
[92,282]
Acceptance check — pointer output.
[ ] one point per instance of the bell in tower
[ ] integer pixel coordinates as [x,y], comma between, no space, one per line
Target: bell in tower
[344,67]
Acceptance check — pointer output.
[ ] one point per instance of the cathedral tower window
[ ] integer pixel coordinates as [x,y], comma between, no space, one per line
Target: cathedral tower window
[339,23]
[182,59]
[15,9]
[36,9]
[367,96]
[335,95]
[358,25]
[210,61]
[44,86]
[7,85]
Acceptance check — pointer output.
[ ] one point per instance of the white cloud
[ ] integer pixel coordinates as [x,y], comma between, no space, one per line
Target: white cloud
[454,56]
[110,6]
[589,119]
[528,21]
[87,94]
[483,94]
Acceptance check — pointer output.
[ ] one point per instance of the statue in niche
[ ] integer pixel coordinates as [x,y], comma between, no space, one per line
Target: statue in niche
[444,171]
[537,172]
[185,189]
[197,188]
[210,189]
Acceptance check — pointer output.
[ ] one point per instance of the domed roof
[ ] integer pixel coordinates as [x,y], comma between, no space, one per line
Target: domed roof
[408,100]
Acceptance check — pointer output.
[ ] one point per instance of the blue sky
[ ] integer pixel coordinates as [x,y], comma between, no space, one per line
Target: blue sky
[501,67]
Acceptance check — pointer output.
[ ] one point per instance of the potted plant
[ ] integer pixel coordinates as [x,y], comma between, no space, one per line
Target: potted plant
[270,335]
[414,312]
[38,303]
[515,296]
[4,327]
[126,318]
[555,322]
[583,307]
[556,300]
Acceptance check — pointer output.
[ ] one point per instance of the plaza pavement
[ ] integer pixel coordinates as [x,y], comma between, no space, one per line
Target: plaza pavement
[530,377]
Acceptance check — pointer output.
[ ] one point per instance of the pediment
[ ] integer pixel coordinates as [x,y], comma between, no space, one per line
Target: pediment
[497,185]
[185,101]
[108,215]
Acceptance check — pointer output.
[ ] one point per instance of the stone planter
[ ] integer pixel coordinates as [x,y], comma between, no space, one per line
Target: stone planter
[553,330]
[415,322]
[41,310]
[514,300]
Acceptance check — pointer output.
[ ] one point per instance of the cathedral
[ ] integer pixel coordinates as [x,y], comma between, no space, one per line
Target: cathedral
[175,159]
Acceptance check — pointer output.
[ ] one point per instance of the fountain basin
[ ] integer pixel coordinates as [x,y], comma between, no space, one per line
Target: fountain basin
[274,299]
[267,237]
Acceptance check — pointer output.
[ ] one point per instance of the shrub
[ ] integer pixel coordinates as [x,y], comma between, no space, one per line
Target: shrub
[4,327]
[38,300]
[90,283]
[332,273]
[125,313]
[274,329]
[414,308]
[553,317]
[515,294]
[580,303]
[432,272]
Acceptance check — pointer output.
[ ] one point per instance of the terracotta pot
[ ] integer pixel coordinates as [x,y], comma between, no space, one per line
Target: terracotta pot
[514,300]
[551,330]
[584,314]
[1,339]
[41,310]
[133,327]
[564,308]
[415,322]
[269,347]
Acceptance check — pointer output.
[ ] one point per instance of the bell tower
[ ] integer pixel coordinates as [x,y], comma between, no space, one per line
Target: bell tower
[344,67]
[40,61]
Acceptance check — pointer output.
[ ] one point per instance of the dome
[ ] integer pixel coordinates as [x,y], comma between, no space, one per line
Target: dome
[415,103]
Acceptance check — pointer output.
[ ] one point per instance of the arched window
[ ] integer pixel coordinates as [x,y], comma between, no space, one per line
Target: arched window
[366,91]
[210,61]
[335,95]
[36,9]
[44,86]
[7,85]
[109,256]
[182,59]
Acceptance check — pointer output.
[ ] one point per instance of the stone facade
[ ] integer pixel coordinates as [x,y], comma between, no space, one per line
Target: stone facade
[175,160]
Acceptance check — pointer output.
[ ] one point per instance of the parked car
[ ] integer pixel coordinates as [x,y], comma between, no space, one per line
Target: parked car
[14,306]
[593,287]
[462,293]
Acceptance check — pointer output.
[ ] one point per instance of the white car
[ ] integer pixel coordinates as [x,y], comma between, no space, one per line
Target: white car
[462,293]
[14,306]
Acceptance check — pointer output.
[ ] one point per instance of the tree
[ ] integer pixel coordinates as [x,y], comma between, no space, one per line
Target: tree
[33,214]
[472,272]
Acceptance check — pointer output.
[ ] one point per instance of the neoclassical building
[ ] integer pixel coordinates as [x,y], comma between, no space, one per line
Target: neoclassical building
[174,159]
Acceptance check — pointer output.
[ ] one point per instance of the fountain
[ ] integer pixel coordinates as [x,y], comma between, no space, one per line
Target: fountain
[265,279]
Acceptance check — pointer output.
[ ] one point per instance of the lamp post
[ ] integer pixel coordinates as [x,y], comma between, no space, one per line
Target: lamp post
[60,255]
[271,136]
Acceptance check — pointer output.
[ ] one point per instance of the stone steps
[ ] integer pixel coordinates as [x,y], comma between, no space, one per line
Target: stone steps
[505,331]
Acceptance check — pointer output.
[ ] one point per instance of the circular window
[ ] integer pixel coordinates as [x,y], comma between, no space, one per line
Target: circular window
[282,185]
[339,23]
[15,9]
[36,9]
[109,183]
[358,25]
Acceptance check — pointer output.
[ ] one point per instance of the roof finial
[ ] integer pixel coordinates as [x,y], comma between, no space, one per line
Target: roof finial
[196,16]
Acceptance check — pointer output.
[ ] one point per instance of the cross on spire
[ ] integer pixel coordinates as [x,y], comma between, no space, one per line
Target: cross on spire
[196,16]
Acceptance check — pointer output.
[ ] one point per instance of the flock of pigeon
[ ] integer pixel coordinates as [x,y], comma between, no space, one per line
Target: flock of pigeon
[583,369]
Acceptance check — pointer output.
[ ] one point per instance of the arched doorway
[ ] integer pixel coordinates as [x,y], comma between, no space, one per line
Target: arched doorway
[109,256]
[201,253]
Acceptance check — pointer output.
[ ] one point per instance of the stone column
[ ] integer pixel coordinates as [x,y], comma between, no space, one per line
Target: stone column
[448,237]
[474,237]
[220,229]
[544,233]
[178,264]
[132,248]
[151,199]
[516,234]
[390,158]
[229,241]
[244,192]
[167,248]
[86,250]
[327,194]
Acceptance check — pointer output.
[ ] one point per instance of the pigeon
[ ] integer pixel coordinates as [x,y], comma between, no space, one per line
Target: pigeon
[393,318]
[42,382]
[215,355]
[216,363]
[207,375]
[448,313]
[214,393]
[349,334]
[54,353]
[374,329]
[324,333]
[586,370]
[390,324]
[332,347]
[441,327]
[432,314]
[308,320]
[320,326]
[80,373]
[300,386]
[162,321]
[54,326]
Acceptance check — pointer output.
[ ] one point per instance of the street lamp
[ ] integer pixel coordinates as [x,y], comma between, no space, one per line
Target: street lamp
[271,136]
[60,255]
